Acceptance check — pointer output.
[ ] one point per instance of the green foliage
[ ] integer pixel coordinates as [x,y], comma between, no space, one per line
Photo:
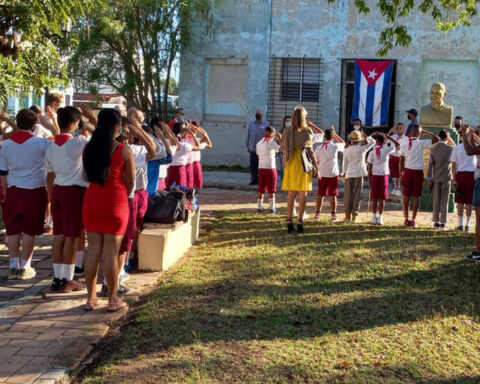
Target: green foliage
[446,15]
[131,46]
[34,26]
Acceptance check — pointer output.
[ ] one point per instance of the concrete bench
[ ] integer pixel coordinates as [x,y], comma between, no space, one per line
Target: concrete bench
[161,245]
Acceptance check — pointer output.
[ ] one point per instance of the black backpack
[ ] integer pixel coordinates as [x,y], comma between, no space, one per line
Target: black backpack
[167,207]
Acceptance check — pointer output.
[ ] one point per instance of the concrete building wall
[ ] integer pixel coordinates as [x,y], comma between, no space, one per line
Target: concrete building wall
[252,31]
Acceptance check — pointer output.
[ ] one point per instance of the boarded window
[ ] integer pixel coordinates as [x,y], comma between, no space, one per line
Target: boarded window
[300,80]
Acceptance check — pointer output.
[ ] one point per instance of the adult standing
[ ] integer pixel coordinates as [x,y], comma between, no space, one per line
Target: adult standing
[412,116]
[110,170]
[255,133]
[295,180]
[463,180]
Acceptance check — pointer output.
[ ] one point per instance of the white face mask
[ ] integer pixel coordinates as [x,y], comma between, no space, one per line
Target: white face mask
[119,132]
[288,124]
[356,127]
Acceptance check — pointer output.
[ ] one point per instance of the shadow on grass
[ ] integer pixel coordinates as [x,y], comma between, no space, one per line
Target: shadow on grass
[266,285]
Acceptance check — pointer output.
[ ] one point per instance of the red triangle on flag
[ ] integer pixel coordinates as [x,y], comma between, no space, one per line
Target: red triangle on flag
[372,70]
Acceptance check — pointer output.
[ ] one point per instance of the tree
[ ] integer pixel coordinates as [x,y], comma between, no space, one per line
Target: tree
[446,15]
[132,45]
[29,58]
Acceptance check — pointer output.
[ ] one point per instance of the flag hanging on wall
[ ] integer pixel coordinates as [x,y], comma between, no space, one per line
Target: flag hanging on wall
[371,93]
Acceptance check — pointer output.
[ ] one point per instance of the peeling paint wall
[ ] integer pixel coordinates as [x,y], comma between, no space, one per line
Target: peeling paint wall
[257,29]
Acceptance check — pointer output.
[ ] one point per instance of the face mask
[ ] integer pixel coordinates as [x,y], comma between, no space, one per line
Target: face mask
[458,126]
[288,124]
[119,133]
[182,118]
[356,127]
[258,116]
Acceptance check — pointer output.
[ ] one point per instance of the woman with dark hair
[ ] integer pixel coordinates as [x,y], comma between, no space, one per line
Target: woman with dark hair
[109,167]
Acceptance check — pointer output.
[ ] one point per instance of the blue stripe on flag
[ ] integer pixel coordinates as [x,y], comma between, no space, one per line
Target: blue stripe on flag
[369,106]
[386,94]
[356,91]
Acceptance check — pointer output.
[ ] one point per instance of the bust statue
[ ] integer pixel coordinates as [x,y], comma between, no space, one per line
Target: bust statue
[437,113]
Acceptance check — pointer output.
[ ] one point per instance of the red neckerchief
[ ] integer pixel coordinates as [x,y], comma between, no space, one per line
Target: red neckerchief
[325,144]
[378,152]
[266,138]
[410,139]
[20,137]
[62,139]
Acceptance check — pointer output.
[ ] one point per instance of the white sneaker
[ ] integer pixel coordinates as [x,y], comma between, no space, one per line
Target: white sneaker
[26,273]
[124,276]
[374,220]
[380,220]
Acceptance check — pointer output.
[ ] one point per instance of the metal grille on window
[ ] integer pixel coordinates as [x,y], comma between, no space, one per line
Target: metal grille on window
[294,81]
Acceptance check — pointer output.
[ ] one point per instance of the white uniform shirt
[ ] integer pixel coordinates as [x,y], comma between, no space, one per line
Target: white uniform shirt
[354,159]
[197,155]
[25,163]
[66,161]
[140,158]
[41,131]
[463,162]
[414,153]
[398,153]
[266,150]
[181,156]
[380,164]
[327,158]
[164,167]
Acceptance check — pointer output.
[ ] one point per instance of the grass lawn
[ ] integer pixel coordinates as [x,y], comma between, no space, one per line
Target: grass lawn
[341,304]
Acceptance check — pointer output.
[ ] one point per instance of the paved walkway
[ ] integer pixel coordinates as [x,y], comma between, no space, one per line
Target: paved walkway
[43,336]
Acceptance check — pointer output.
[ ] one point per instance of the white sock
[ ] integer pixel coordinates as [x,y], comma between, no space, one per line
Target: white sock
[467,221]
[380,216]
[79,259]
[127,258]
[460,221]
[14,262]
[260,203]
[68,271]
[272,203]
[57,270]
[294,210]
[25,263]
[104,281]
[374,216]
[49,220]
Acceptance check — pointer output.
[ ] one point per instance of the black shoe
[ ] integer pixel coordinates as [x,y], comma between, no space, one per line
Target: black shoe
[460,228]
[104,291]
[253,183]
[474,256]
[55,286]
[260,210]
[300,228]
[290,227]
[79,272]
[122,290]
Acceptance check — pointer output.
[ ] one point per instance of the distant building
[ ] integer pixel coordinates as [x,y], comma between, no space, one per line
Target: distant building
[275,54]
[26,100]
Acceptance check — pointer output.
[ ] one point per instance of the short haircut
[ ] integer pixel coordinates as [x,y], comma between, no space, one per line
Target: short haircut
[54,97]
[328,134]
[67,116]
[442,134]
[380,137]
[26,119]
[270,129]
[36,109]
[179,110]
[458,117]
[177,128]
[400,123]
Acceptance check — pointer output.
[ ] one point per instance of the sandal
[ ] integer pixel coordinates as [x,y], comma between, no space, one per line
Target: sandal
[317,215]
[300,226]
[114,306]
[290,226]
[91,305]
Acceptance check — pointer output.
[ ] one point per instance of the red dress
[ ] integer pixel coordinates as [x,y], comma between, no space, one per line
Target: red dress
[105,207]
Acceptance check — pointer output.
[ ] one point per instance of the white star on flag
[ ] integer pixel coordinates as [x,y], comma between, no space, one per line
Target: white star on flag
[372,74]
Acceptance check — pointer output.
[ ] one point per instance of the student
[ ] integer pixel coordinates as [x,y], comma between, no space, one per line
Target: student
[67,184]
[54,102]
[174,145]
[177,171]
[378,172]
[205,142]
[43,128]
[463,181]
[439,177]
[179,117]
[110,170]
[327,158]
[23,180]
[411,167]
[355,170]
[397,133]
[471,149]
[267,149]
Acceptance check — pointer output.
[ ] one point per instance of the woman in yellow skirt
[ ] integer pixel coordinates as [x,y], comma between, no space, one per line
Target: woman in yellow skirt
[295,180]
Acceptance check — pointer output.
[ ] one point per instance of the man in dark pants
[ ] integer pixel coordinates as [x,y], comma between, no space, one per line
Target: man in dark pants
[255,133]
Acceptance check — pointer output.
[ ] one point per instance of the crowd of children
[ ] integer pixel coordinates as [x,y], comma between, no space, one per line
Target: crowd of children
[69,171]
[383,158]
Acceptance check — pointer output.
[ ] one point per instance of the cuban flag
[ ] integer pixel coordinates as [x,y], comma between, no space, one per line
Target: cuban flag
[371,93]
